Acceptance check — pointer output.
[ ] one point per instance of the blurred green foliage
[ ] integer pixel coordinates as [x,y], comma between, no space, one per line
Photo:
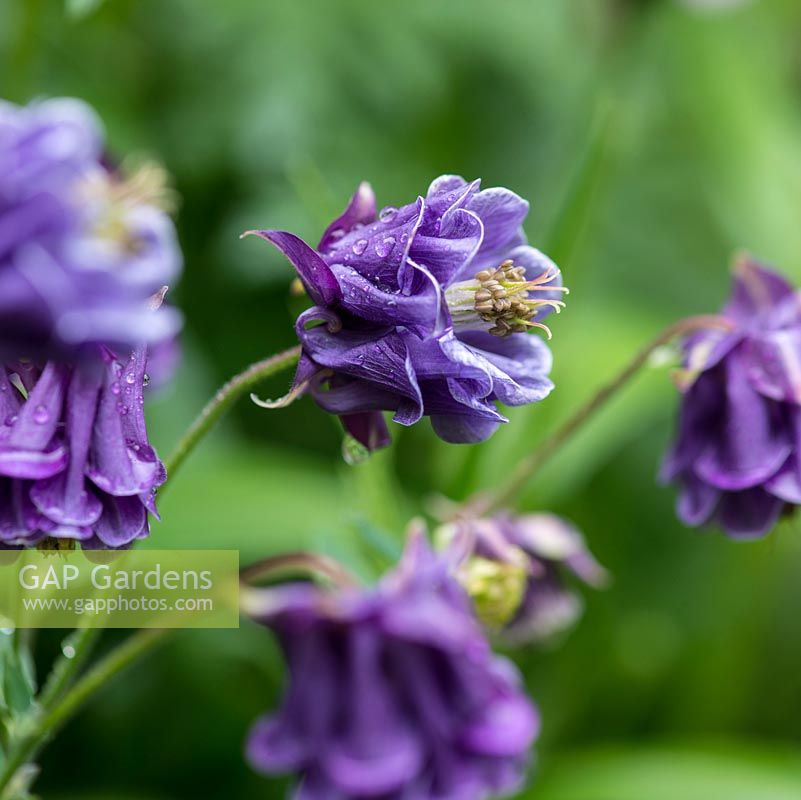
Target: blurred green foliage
[653,139]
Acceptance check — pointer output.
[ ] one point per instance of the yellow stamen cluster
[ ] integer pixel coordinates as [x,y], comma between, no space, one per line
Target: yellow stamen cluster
[504,298]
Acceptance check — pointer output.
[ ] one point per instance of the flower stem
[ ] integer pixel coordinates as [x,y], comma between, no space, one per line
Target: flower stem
[80,644]
[49,720]
[225,397]
[529,466]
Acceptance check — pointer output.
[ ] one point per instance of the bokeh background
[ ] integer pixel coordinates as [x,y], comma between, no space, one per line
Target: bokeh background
[653,139]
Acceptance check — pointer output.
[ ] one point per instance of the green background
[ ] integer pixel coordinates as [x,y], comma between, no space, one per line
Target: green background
[653,139]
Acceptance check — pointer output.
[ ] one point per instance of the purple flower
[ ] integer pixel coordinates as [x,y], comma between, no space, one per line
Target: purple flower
[393,691]
[424,308]
[75,462]
[736,456]
[515,572]
[82,248]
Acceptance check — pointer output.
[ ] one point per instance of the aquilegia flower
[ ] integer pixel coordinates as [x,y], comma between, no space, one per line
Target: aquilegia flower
[83,248]
[75,463]
[736,456]
[393,691]
[425,310]
[515,568]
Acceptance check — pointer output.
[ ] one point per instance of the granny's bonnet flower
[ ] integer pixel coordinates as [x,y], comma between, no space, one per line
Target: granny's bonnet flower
[736,455]
[424,309]
[75,462]
[515,568]
[83,248]
[393,691]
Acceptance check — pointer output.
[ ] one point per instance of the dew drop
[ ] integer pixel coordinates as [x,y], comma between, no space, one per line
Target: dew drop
[11,419]
[130,378]
[41,415]
[146,380]
[337,234]
[68,650]
[115,387]
[384,247]
[360,246]
[387,213]
[353,451]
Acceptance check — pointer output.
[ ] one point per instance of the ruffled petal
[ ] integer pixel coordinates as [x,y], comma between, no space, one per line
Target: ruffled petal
[64,498]
[29,447]
[752,439]
[749,514]
[360,211]
[502,212]
[453,247]
[367,300]
[697,501]
[756,289]
[379,251]
[318,279]
[773,362]
[124,519]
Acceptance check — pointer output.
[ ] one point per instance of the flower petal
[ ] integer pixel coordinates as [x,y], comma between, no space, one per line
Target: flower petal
[318,279]
[360,211]
[502,212]
[752,439]
[756,289]
[749,514]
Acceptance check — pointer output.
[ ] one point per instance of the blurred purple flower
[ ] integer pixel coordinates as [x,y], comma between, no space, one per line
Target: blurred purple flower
[393,692]
[75,462]
[82,248]
[422,306]
[736,455]
[515,569]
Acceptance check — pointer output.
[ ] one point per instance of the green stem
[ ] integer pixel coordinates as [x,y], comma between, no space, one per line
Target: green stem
[75,651]
[225,397]
[54,710]
[49,720]
[528,467]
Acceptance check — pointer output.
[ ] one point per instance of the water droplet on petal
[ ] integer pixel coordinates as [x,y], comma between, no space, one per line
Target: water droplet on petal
[145,380]
[130,377]
[360,246]
[384,247]
[40,415]
[115,387]
[387,213]
[11,419]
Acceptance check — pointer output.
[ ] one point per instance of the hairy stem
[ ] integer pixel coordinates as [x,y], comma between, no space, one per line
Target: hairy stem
[49,720]
[528,467]
[225,397]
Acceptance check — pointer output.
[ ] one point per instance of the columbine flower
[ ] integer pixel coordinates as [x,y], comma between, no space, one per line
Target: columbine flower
[425,308]
[82,247]
[75,463]
[736,456]
[393,692]
[514,572]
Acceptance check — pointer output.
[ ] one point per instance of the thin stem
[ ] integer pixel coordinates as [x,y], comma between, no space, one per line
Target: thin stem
[529,466]
[50,720]
[74,653]
[225,397]
[312,563]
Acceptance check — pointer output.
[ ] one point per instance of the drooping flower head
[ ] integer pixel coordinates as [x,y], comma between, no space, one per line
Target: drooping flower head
[75,462]
[736,456]
[514,569]
[83,247]
[393,691]
[425,308]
